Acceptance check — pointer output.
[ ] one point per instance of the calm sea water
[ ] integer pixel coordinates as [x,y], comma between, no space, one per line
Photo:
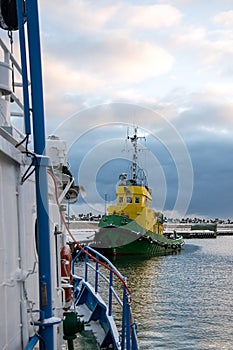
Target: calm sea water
[183,301]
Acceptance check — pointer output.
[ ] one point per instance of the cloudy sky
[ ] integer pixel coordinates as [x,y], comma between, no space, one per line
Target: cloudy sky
[163,65]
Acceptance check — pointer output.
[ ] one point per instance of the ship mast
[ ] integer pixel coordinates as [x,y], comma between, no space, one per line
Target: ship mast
[134,140]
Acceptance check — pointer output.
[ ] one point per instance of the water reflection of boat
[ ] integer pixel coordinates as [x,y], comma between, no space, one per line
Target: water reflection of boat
[131,226]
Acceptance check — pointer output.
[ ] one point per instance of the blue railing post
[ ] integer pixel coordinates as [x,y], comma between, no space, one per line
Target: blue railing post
[134,337]
[128,327]
[124,316]
[96,274]
[86,268]
[110,295]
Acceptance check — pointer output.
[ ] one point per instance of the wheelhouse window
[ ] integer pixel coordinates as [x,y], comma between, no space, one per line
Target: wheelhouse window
[137,199]
[129,199]
[120,200]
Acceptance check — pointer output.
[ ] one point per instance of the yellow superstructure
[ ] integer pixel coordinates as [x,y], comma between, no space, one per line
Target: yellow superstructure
[134,201]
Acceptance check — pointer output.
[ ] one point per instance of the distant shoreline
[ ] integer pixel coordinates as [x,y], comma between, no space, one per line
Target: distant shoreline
[222,229]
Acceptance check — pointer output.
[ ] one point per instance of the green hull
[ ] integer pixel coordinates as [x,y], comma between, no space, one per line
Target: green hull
[130,238]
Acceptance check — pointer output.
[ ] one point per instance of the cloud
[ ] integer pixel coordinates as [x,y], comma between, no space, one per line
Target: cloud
[213,185]
[225,18]
[192,35]
[178,2]
[71,16]
[62,77]
[100,71]
[127,60]
[206,128]
[92,16]
[205,116]
[65,89]
[106,46]
[114,59]
[101,56]
[152,16]
[220,90]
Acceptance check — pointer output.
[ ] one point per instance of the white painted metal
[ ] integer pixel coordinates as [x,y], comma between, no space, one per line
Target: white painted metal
[5,82]
[18,255]
[56,150]
[4,111]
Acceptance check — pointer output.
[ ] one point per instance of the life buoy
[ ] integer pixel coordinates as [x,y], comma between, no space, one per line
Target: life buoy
[66,275]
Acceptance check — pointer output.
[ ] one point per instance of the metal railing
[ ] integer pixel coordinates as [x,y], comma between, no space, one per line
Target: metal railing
[20,97]
[10,61]
[128,327]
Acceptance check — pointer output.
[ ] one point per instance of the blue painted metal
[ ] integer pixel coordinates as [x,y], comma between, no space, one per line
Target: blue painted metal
[123,332]
[90,298]
[98,312]
[32,343]
[27,123]
[36,76]
[46,332]
[96,274]
[110,294]
[127,324]
[134,337]
[86,268]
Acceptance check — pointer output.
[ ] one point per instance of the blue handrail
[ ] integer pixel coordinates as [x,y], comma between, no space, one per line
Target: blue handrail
[128,327]
[32,343]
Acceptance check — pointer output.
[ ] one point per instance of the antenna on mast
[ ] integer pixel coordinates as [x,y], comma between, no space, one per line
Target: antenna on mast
[134,140]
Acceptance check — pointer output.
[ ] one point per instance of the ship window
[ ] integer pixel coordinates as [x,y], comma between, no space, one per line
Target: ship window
[129,199]
[120,199]
[137,200]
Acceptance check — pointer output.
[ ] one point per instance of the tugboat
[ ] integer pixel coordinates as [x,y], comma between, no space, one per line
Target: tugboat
[131,226]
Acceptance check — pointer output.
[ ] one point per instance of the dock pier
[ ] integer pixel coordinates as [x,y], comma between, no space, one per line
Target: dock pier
[84,230]
[189,231]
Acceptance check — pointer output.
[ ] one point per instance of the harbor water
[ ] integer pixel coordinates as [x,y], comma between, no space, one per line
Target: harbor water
[183,301]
